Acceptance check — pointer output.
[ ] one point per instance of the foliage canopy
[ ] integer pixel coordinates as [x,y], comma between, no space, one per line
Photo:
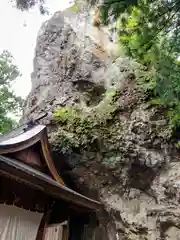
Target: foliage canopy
[9,102]
[150,33]
[27,4]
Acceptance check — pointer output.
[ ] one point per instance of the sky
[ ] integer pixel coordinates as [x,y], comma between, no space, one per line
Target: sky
[18,36]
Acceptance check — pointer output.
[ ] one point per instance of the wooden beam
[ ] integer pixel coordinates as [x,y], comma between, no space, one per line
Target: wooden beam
[22,173]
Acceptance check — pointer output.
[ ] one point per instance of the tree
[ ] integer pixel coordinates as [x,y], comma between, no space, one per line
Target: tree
[27,4]
[149,30]
[148,18]
[9,102]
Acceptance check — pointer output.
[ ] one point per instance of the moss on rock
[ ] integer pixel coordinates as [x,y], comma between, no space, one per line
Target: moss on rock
[95,129]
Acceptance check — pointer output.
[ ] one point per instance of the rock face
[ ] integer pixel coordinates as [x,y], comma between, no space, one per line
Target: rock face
[135,171]
[67,62]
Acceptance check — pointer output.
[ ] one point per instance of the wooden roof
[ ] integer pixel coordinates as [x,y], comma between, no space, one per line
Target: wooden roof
[21,139]
[23,173]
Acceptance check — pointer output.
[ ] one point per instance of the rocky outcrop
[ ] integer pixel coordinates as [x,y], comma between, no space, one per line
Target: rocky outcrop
[67,63]
[121,151]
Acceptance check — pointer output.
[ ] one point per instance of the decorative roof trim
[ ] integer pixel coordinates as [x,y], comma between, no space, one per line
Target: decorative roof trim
[27,139]
[47,155]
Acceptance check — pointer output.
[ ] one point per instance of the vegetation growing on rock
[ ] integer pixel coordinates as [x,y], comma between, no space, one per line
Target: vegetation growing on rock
[101,128]
[149,32]
[116,133]
[91,128]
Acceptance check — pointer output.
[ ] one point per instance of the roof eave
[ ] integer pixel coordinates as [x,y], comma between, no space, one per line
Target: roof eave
[25,174]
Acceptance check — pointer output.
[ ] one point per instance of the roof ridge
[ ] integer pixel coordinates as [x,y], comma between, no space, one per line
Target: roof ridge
[13,133]
[22,128]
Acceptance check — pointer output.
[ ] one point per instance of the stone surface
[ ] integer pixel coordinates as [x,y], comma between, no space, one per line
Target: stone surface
[66,64]
[140,187]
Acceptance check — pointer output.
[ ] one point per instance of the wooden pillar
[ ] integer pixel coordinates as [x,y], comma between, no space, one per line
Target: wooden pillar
[65,232]
[44,222]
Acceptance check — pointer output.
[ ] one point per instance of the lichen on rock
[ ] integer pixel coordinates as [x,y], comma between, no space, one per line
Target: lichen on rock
[115,145]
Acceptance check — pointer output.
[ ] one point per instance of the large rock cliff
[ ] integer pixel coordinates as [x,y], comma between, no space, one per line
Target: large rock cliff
[113,144]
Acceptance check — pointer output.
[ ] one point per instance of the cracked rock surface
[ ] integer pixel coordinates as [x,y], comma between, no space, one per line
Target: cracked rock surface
[138,179]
